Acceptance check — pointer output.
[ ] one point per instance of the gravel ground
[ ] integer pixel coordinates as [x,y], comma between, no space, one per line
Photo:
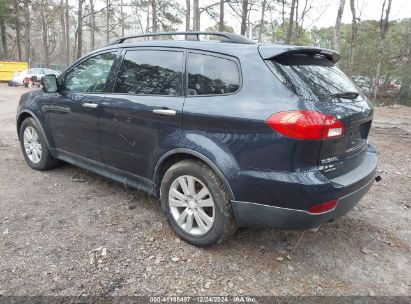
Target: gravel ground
[91,236]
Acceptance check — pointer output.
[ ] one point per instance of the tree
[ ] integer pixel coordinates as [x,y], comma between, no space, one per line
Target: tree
[67,29]
[221,23]
[244,16]
[63,26]
[44,33]
[188,12]
[80,29]
[383,35]
[196,15]
[5,13]
[154,15]
[17,24]
[260,31]
[354,36]
[405,91]
[26,31]
[337,27]
[290,24]
[93,26]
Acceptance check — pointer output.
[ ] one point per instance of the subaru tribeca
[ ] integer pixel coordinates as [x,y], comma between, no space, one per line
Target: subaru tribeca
[225,132]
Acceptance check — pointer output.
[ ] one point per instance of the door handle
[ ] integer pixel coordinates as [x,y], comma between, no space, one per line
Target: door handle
[164,112]
[90,105]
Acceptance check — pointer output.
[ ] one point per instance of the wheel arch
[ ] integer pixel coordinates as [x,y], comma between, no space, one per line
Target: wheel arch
[171,157]
[28,114]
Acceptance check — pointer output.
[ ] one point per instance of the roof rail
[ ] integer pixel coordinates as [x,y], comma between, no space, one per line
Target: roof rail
[193,36]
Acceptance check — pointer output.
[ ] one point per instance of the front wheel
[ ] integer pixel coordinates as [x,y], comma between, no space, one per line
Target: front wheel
[34,147]
[196,205]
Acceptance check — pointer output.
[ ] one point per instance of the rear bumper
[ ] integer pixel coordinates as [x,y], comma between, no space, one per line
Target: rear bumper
[347,189]
[257,215]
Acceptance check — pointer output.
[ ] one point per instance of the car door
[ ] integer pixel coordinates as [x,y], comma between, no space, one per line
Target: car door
[142,118]
[73,113]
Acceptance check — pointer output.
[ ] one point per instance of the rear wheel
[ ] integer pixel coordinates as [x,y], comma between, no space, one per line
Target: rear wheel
[34,146]
[196,204]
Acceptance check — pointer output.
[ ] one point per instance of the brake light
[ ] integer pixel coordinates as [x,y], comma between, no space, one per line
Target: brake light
[323,207]
[305,124]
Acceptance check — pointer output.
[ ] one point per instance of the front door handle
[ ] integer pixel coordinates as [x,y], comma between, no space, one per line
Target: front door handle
[90,105]
[165,112]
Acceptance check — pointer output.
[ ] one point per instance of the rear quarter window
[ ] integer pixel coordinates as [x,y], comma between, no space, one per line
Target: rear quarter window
[212,75]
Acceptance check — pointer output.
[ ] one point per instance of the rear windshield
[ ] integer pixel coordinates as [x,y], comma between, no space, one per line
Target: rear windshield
[311,77]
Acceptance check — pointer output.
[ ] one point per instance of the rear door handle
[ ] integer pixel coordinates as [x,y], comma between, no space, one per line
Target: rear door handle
[90,105]
[165,112]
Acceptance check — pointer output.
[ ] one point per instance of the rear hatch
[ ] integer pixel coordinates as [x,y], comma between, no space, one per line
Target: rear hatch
[312,75]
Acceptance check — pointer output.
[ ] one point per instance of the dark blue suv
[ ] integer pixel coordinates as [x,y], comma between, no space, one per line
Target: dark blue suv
[226,132]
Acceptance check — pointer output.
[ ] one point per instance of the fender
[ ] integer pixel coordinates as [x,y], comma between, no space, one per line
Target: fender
[198,155]
[27,111]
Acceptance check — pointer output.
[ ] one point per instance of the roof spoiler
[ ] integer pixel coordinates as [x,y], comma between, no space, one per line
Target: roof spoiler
[277,51]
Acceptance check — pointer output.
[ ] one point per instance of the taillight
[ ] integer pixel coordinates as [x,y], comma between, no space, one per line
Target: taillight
[323,207]
[305,124]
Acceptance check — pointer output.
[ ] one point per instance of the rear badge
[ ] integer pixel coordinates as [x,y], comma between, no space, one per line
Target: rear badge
[329,160]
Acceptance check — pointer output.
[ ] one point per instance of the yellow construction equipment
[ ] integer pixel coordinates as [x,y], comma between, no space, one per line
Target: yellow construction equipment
[8,68]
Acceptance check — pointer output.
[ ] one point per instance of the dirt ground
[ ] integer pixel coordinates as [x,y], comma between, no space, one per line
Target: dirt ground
[87,235]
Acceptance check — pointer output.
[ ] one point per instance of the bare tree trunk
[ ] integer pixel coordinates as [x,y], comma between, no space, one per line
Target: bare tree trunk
[18,36]
[283,16]
[290,24]
[383,36]
[148,17]
[4,37]
[260,31]
[122,17]
[188,15]
[80,29]
[27,31]
[75,44]
[221,23]
[196,15]
[108,7]
[354,37]
[92,26]
[67,13]
[337,28]
[44,34]
[154,15]
[244,15]
[296,22]
[63,29]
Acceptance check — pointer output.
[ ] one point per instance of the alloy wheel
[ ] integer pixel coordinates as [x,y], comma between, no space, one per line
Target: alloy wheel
[32,144]
[191,205]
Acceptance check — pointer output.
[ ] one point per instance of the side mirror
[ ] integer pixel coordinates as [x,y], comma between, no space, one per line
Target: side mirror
[49,83]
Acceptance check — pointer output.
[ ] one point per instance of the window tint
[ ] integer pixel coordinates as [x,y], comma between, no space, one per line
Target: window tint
[210,75]
[90,75]
[150,73]
[311,77]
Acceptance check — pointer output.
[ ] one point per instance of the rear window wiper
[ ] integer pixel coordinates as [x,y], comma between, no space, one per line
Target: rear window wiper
[344,95]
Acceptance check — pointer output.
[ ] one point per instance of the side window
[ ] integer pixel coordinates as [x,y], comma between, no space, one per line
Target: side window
[90,75]
[150,73]
[210,75]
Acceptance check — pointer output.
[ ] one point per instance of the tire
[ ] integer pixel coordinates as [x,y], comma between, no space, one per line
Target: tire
[199,232]
[42,161]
